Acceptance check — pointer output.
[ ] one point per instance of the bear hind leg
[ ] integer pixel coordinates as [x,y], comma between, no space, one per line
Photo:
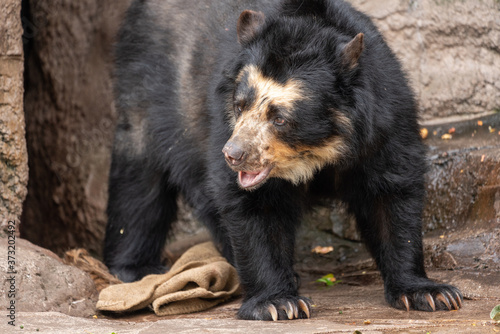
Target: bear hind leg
[141,208]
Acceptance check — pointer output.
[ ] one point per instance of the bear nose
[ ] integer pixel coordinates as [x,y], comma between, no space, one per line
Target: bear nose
[233,154]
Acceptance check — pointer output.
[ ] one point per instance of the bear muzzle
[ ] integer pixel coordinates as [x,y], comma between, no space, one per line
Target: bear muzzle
[251,173]
[234,154]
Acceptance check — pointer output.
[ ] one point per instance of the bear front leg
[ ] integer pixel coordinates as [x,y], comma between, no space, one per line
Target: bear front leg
[263,241]
[391,227]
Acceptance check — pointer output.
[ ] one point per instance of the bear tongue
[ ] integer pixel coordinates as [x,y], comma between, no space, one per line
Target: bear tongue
[250,179]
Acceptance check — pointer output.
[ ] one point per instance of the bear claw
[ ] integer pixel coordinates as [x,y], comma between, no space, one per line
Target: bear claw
[304,307]
[450,297]
[291,310]
[406,302]
[285,308]
[431,302]
[274,313]
[441,297]
[288,310]
[295,310]
[459,301]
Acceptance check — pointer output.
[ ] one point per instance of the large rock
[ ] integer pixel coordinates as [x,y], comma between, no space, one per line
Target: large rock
[42,283]
[464,178]
[451,49]
[13,156]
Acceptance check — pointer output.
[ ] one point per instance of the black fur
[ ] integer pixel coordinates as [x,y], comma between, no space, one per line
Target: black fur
[176,71]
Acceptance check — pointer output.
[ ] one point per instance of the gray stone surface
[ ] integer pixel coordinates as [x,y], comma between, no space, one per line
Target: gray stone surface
[451,49]
[43,282]
[13,155]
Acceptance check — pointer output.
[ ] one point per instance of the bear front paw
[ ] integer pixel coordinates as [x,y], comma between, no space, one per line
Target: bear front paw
[287,308]
[428,296]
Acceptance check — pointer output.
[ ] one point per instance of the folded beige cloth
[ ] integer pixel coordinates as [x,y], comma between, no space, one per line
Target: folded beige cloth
[201,278]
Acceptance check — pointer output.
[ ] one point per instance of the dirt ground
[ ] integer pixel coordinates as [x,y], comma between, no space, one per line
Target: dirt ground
[356,304]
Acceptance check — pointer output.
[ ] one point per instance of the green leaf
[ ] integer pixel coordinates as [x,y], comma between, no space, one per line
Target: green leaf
[495,313]
[329,280]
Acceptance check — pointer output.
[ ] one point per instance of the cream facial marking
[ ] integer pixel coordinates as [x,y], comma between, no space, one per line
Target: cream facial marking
[299,164]
[269,91]
[265,92]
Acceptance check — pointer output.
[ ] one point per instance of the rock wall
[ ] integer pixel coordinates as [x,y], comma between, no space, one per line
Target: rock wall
[13,156]
[451,49]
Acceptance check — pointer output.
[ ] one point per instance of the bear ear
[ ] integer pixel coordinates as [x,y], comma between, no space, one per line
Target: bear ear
[248,25]
[352,51]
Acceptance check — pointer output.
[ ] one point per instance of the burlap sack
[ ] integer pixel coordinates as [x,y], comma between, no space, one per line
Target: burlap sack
[201,278]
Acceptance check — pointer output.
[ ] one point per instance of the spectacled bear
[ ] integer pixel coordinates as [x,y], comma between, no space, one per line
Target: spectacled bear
[253,110]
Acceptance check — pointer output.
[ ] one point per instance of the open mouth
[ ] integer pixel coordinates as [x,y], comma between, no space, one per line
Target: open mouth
[249,180]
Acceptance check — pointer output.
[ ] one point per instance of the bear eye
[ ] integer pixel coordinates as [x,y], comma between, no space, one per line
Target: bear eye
[279,121]
[238,108]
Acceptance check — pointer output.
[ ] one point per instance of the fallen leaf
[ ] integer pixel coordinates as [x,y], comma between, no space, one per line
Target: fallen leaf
[452,130]
[480,123]
[495,313]
[424,133]
[446,136]
[322,250]
[329,280]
